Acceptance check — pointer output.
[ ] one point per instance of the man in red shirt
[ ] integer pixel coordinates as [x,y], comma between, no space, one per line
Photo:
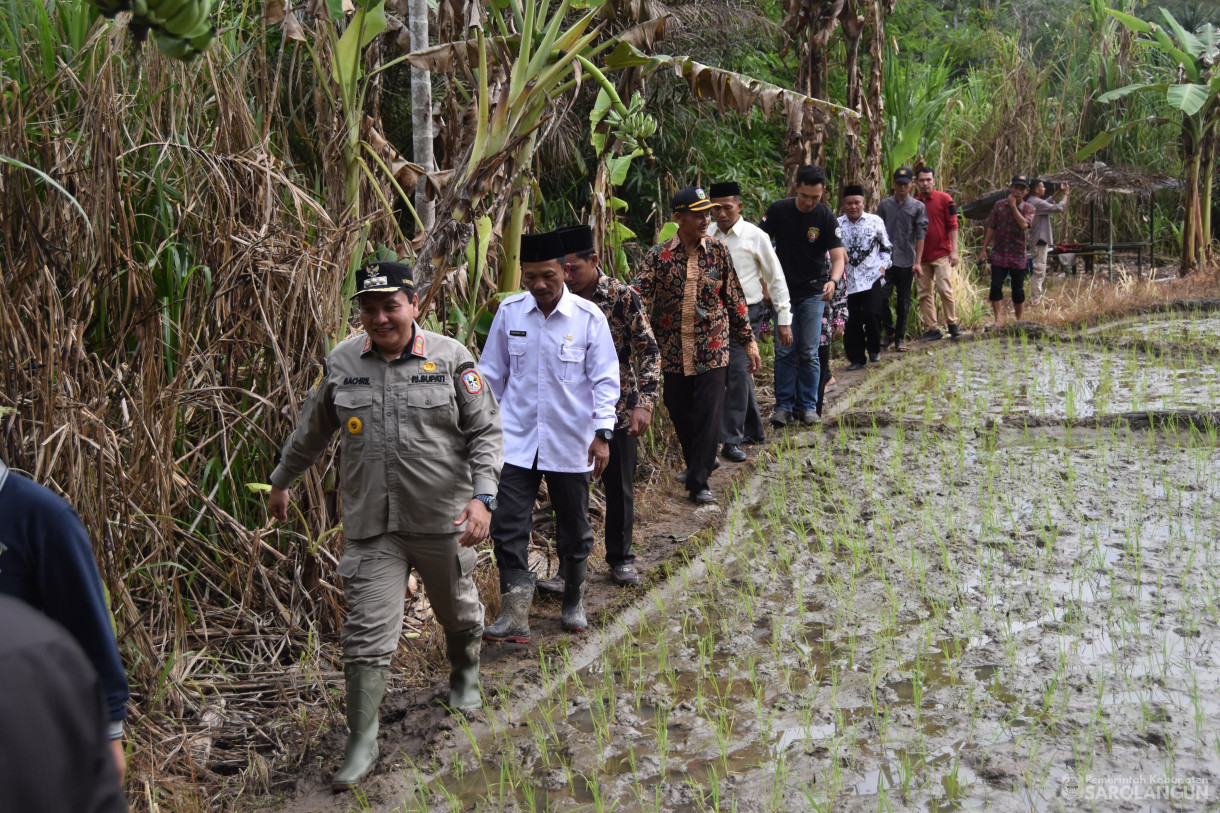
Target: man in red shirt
[940,257]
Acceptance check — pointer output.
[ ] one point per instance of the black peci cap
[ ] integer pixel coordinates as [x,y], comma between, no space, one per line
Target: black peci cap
[724,189]
[853,189]
[384,278]
[538,248]
[576,239]
[1020,179]
[691,199]
[903,175]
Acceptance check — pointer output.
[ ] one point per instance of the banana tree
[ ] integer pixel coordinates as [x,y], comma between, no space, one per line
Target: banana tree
[1194,92]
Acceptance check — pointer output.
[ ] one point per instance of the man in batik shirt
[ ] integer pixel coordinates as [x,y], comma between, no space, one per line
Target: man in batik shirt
[692,293]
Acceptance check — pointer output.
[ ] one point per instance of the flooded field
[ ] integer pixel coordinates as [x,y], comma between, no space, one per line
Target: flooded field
[1198,329]
[938,613]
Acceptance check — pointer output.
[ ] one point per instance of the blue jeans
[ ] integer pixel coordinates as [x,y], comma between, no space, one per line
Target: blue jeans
[796,366]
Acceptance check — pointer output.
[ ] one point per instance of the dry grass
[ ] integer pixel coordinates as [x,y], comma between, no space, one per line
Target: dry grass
[1091,297]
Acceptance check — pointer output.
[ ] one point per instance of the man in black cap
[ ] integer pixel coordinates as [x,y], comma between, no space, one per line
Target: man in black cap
[420,452]
[640,388]
[550,360]
[804,231]
[906,223]
[1006,225]
[762,282]
[691,289]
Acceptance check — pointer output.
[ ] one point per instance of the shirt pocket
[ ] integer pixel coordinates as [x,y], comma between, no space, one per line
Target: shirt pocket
[517,347]
[571,362]
[356,417]
[431,421]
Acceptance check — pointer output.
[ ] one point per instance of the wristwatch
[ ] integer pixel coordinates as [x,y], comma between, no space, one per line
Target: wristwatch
[605,434]
[489,500]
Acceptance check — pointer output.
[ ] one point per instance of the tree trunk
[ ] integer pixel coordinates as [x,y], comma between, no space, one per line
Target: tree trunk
[1189,238]
[421,113]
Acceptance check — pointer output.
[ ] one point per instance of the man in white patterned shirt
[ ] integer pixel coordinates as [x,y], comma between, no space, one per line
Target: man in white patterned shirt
[551,362]
[868,256]
[762,282]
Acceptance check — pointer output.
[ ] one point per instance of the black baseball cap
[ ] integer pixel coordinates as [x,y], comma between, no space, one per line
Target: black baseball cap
[903,175]
[691,199]
[724,189]
[576,238]
[1020,179]
[384,278]
[538,248]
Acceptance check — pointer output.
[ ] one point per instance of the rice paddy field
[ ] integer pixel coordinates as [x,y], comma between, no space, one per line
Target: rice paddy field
[993,583]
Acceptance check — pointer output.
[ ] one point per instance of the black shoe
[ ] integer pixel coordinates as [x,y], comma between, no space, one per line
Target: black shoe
[733,453]
[704,497]
[681,476]
[811,417]
[781,417]
[931,335]
[859,365]
[624,575]
[954,330]
[874,357]
[553,587]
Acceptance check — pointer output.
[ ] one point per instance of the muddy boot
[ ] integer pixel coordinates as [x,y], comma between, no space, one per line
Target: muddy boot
[365,687]
[553,586]
[464,671]
[516,596]
[572,614]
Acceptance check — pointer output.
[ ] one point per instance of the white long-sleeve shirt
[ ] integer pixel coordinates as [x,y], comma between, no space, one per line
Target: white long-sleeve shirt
[868,251]
[556,377]
[755,260]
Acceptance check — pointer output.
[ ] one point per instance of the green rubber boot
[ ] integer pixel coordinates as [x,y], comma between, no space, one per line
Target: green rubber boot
[516,596]
[464,671]
[572,614]
[365,688]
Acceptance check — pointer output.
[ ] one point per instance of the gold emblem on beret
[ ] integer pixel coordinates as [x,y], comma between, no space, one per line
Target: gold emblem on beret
[354,425]
[429,366]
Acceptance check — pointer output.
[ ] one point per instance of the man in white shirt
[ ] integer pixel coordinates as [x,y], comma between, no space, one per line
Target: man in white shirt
[550,360]
[762,282]
[868,256]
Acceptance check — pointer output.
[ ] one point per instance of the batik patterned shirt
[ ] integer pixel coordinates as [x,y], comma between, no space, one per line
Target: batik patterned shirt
[1009,251]
[641,383]
[694,301]
[868,251]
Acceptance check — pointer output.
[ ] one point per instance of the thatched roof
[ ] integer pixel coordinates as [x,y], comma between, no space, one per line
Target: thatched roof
[1096,180]
[1090,181]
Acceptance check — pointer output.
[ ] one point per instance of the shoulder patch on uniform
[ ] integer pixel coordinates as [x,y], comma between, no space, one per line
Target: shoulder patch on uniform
[472,381]
[464,366]
[418,349]
[368,345]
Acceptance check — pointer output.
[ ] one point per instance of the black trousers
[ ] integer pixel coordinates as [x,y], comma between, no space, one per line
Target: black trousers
[900,282]
[618,480]
[863,324]
[997,283]
[824,360]
[695,403]
[742,419]
[513,519]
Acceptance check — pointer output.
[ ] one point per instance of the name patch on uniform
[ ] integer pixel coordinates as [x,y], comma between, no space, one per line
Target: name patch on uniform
[435,378]
[354,425]
[813,233]
[516,333]
[356,382]
[472,381]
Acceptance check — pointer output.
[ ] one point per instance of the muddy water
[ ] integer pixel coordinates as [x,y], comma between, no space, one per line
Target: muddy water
[1195,330]
[914,619]
[1013,377]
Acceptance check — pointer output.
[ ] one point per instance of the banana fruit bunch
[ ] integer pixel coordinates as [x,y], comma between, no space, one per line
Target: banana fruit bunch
[633,128]
[181,28]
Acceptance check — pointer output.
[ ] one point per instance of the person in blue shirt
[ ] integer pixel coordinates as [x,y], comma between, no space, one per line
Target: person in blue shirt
[46,560]
[551,362]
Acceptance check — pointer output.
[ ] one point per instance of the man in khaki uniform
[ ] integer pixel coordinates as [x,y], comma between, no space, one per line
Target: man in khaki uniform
[420,457]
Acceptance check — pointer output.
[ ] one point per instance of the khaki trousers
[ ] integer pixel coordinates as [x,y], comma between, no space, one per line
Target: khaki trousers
[937,278]
[1039,275]
[375,575]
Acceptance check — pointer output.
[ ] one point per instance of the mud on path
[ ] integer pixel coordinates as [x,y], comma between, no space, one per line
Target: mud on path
[1001,604]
